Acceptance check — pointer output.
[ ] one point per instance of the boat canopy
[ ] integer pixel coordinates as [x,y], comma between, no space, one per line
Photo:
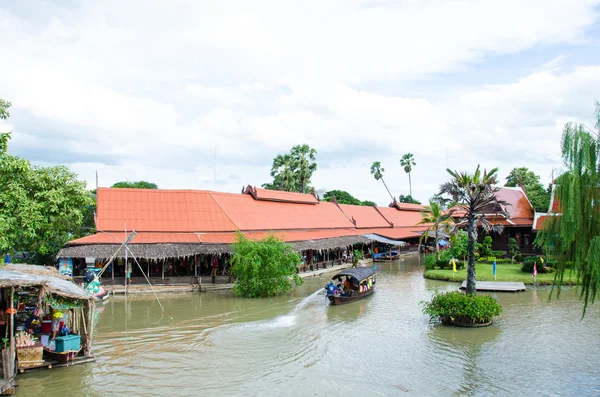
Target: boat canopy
[360,273]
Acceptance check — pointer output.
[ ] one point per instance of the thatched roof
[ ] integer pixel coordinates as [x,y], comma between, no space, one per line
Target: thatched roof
[162,251]
[40,276]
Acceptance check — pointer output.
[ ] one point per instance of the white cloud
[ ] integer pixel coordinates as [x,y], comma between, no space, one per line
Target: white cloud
[158,91]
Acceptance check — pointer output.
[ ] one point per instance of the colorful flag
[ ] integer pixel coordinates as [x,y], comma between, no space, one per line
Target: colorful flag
[534,270]
[453,265]
[494,269]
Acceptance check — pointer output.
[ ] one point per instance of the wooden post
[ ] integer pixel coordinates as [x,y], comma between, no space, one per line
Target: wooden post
[12,324]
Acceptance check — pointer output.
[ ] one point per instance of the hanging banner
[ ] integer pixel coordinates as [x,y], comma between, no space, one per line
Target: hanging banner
[65,266]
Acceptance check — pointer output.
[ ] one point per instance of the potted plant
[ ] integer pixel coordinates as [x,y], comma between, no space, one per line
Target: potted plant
[466,310]
[356,256]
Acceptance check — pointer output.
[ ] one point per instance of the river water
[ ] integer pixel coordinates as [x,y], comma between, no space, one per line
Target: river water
[215,344]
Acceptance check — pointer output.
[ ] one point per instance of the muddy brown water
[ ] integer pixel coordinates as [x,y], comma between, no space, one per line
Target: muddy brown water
[215,344]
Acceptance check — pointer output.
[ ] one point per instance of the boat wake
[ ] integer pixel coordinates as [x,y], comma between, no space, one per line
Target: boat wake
[289,320]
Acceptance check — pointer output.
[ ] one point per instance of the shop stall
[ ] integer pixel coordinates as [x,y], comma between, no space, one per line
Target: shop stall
[47,319]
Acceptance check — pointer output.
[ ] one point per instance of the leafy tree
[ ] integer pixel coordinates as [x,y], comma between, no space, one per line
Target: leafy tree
[436,219]
[459,242]
[574,236]
[304,158]
[292,172]
[263,268]
[539,197]
[476,195]
[407,162]
[486,247]
[135,185]
[513,249]
[377,172]
[41,208]
[408,199]
[341,197]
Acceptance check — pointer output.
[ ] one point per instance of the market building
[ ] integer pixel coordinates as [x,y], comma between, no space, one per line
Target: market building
[183,233]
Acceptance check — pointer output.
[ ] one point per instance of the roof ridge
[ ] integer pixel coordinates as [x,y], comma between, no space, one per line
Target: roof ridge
[224,212]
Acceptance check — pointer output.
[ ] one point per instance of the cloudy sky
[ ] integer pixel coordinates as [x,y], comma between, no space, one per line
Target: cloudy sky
[167,91]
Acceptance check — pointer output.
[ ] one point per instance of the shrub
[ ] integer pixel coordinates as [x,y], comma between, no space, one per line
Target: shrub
[540,267]
[460,308]
[430,261]
[263,268]
[499,254]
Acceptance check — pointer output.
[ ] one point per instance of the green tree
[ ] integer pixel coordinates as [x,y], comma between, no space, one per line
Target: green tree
[574,236]
[263,268]
[377,171]
[292,172]
[459,244]
[407,162]
[539,197]
[408,199]
[513,249]
[41,208]
[135,185]
[435,218]
[304,158]
[475,193]
[486,247]
[343,197]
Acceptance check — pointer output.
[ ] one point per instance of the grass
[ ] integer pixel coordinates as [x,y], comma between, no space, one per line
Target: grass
[504,272]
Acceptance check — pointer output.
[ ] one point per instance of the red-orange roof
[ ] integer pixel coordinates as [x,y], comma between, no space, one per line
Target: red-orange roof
[400,218]
[249,214]
[287,197]
[408,206]
[519,209]
[364,216]
[397,233]
[140,238]
[160,211]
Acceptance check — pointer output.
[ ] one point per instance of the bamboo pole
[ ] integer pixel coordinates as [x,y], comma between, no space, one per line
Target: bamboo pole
[12,326]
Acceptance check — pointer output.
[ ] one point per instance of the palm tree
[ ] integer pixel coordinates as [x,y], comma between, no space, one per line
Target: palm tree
[475,195]
[377,172]
[408,162]
[436,218]
[283,173]
[304,161]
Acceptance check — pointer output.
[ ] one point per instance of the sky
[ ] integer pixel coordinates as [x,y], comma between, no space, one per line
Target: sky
[204,94]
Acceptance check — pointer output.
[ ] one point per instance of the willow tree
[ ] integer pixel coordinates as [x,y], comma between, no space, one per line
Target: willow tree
[475,195]
[574,235]
[435,218]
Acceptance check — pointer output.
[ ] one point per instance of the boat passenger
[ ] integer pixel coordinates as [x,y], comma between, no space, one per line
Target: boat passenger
[332,289]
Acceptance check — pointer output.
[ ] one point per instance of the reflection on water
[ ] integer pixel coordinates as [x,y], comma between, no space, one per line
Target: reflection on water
[208,344]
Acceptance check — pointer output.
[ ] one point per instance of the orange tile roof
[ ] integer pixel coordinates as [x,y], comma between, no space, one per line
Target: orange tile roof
[249,214]
[400,218]
[364,216]
[160,211]
[140,238]
[287,197]
[288,236]
[408,206]
[539,222]
[519,209]
[397,233]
